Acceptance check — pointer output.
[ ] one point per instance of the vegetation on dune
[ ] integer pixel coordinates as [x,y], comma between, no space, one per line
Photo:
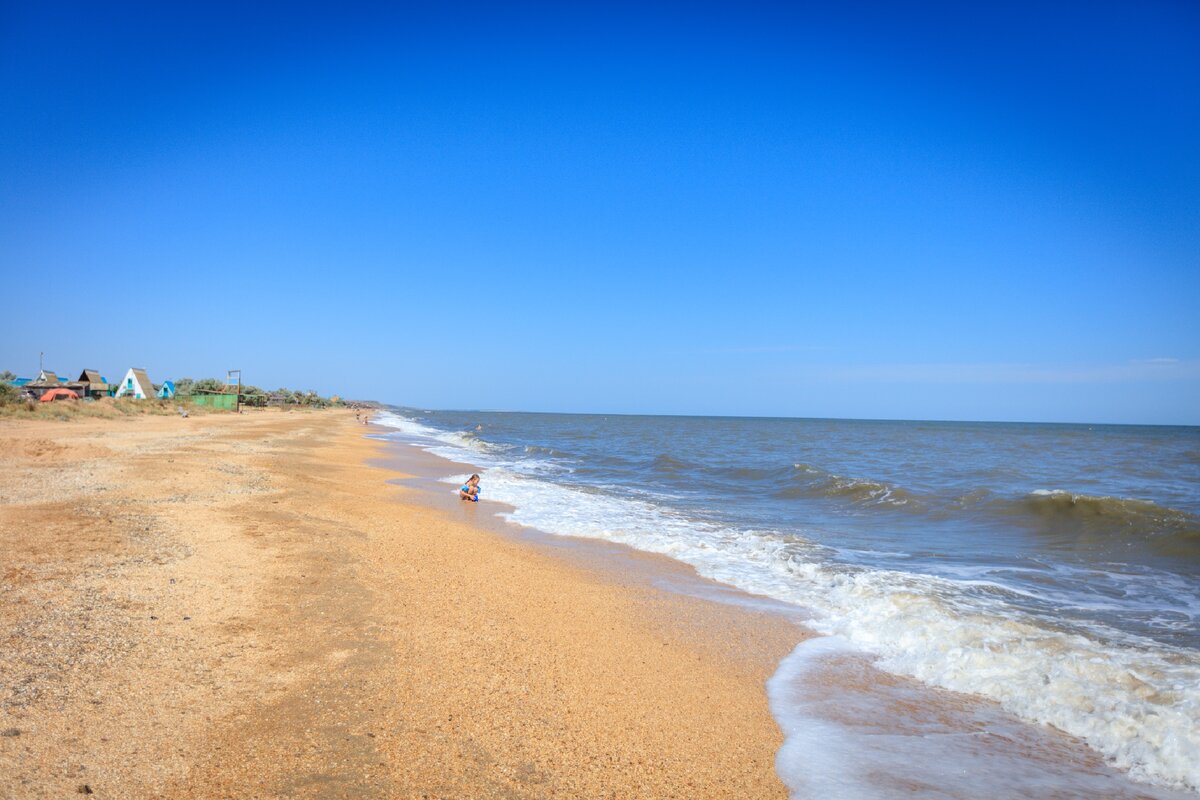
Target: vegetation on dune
[185,387]
[13,404]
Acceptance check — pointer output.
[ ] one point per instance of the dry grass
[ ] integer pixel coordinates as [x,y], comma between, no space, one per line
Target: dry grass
[110,408]
[104,408]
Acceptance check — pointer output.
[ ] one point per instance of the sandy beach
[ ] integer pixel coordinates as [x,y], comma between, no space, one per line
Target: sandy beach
[244,606]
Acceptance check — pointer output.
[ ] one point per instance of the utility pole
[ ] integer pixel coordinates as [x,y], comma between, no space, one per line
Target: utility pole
[41,366]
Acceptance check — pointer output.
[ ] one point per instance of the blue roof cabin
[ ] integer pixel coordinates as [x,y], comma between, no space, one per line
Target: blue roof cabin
[167,390]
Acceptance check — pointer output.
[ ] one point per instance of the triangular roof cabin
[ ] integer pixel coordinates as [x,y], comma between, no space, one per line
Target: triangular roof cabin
[167,390]
[92,383]
[47,376]
[136,384]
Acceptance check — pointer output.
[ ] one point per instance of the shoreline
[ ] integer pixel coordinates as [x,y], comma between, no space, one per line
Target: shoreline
[611,561]
[244,606]
[854,728]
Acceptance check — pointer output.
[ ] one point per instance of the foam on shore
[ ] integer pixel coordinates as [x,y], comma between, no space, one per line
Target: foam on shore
[843,739]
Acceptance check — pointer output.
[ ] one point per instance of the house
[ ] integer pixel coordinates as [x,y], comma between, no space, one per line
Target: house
[44,382]
[136,384]
[167,390]
[91,384]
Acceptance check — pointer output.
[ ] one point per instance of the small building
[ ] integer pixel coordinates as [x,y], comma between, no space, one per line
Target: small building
[44,382]
[167,390]
[92,384]
[136,385]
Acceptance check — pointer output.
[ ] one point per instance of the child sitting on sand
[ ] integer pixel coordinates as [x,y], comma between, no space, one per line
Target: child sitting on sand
[470,490]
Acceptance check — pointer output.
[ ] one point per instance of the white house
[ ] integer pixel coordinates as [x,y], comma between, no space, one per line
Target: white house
[136,384]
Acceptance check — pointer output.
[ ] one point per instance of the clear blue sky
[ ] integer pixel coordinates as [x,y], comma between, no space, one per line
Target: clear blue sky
[950,211]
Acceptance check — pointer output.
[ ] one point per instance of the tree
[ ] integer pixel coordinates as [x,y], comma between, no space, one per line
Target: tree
[7,376]
[184,386]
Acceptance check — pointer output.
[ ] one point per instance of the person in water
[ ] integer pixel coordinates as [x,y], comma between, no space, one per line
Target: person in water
[470,490]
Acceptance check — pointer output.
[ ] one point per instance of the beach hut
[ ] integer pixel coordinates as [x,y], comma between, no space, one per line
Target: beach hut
[91,384]
[167,390]
[45,381]
[136,385]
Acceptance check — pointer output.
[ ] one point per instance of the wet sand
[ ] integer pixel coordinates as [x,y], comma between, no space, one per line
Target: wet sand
[244,606]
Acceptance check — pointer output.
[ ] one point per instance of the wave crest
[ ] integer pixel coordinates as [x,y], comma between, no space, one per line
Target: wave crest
[1122,521]
[809,482]
[668,465]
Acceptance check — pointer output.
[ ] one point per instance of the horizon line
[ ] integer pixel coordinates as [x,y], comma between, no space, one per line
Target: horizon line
[807,418]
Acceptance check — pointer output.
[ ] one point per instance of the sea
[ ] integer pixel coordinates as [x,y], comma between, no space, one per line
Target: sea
[1049,574]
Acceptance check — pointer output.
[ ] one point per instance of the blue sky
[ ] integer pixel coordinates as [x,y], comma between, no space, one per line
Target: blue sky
[949,211]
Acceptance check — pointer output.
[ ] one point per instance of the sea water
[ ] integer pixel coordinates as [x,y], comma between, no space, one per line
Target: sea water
[1052,569]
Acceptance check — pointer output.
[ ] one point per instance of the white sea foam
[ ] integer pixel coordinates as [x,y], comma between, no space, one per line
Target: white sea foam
[815,756]
[1138,705]
[420,434]
[850,744]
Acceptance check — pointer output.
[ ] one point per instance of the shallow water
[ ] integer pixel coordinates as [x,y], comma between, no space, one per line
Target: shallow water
[1054,569]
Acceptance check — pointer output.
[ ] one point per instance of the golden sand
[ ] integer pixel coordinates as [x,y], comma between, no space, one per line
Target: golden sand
[242,606]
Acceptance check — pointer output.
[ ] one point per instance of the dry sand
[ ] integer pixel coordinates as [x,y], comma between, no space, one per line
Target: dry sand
[242,606]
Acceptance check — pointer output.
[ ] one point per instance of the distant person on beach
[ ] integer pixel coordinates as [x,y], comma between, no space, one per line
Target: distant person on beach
[470,490]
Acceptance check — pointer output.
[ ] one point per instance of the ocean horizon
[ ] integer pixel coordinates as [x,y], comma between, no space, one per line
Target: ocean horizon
[963,421]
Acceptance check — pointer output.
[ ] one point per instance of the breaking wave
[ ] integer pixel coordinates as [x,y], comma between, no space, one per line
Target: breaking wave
[1114,522]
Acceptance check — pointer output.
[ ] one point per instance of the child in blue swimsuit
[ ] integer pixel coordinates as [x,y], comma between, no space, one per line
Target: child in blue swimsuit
[470,490]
